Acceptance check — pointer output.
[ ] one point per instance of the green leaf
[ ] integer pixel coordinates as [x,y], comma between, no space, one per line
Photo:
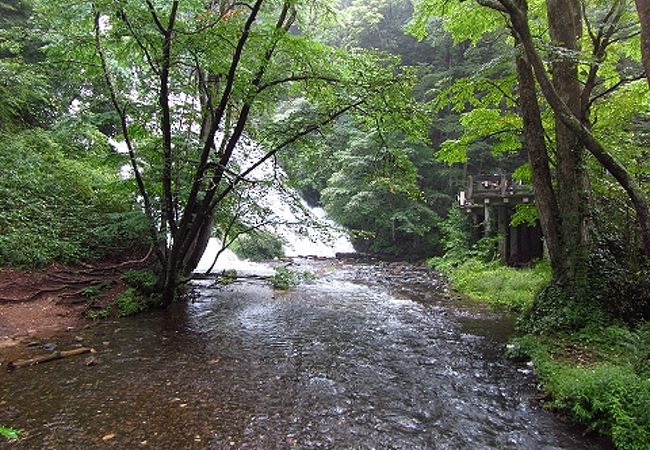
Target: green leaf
[9,433]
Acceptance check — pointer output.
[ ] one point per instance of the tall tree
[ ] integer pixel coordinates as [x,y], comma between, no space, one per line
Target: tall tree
[187,79]
[643,9]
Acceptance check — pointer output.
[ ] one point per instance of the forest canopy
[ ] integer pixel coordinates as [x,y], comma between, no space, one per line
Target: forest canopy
[376,110]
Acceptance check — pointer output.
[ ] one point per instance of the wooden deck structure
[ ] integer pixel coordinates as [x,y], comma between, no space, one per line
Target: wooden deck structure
[491,201]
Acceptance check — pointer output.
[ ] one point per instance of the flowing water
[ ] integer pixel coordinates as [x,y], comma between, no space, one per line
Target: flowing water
[366,356]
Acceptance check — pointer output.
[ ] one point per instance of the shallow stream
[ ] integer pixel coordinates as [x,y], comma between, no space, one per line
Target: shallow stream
[366,356]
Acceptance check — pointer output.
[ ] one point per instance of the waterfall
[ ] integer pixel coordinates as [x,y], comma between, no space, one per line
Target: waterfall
[306,230]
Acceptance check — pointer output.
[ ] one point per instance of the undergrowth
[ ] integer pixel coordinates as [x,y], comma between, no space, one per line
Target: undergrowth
[594,368]
[61,199]
[139,296]
[598,377]
[498,285]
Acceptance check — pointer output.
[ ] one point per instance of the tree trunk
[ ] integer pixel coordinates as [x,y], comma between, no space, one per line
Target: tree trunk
[198,247]
[533,137]
[643,9]
[595,147]
[564,28]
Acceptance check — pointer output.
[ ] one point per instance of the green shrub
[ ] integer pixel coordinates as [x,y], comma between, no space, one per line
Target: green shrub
[284,278]
[90,292]
[101,314]
[130,302]
[610,399]
[144,281]
[259,246]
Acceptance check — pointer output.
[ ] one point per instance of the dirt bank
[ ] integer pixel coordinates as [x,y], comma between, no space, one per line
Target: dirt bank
[34,302]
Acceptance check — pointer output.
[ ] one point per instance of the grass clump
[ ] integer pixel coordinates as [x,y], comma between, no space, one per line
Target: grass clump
[100,314]
[9,433]
[501,286]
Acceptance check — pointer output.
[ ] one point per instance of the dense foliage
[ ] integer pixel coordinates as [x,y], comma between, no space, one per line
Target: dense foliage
[376,110]
[61,194]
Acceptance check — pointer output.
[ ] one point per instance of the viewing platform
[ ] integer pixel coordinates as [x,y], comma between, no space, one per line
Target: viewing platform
[495,191]
[491,202]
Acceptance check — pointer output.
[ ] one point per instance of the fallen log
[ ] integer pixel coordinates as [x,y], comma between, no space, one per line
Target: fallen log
[51,357]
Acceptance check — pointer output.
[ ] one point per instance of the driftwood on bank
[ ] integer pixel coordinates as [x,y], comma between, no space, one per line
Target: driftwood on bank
[51,357]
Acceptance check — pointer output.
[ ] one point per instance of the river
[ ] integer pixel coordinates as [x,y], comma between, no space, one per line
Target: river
[366,356]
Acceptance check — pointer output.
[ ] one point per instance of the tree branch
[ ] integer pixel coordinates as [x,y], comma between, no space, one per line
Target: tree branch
[140,43]
[155,17]
[127,138]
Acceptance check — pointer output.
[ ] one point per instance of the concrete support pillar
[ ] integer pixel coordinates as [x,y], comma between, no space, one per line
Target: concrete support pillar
[514,244]
[504,218]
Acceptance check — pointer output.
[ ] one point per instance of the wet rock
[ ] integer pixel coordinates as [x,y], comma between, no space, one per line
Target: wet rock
[50,347]
[91,361]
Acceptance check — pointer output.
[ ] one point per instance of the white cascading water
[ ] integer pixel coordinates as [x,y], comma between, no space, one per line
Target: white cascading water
[306,231]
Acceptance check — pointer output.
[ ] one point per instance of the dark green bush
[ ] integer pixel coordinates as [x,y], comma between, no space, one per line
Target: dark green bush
[619,283]
[557,310]
[259,246]
[144,281]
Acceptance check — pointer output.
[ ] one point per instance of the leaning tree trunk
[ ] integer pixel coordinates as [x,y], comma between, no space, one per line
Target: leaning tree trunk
[643,9]
[198,247]
[595,147]
[564,19]
[535,145]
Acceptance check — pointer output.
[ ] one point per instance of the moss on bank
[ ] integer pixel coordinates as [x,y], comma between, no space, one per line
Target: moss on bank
[598,376]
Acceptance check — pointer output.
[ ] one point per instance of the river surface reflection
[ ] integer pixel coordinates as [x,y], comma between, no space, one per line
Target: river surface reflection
[366,356]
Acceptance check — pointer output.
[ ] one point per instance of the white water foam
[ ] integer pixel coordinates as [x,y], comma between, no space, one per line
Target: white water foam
[306,230]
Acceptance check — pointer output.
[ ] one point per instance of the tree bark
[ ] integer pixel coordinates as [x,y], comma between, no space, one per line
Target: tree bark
[535,145]
[198,247]
[643,9]
[564,19]
[595,147]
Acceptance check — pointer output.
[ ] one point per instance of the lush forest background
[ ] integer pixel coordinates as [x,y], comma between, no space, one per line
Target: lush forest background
[120,124]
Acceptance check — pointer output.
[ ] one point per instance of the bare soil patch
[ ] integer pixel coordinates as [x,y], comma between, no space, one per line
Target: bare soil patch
[34,302]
